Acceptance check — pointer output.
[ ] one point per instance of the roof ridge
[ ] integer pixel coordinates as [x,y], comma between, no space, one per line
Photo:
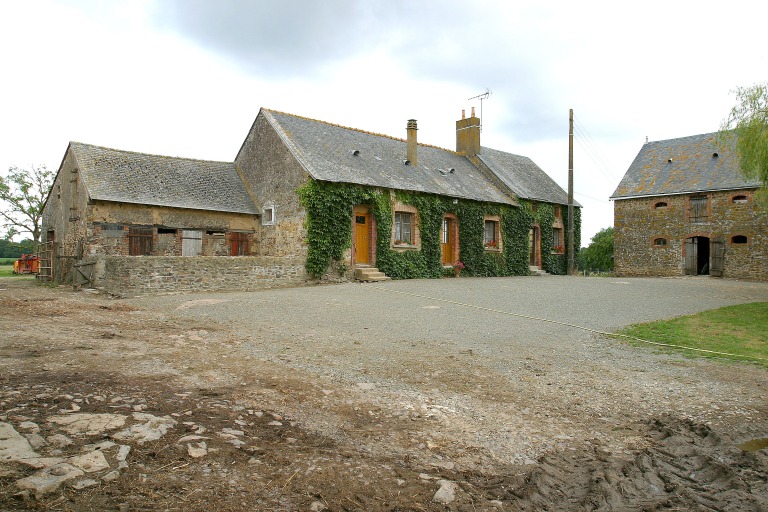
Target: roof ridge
[359,130]
[684,137]
[150,154]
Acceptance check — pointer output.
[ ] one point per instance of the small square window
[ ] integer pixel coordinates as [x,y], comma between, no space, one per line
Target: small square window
[268,216]
[660,242]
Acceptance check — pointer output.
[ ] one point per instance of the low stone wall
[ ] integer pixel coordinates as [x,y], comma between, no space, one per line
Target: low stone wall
[126,276]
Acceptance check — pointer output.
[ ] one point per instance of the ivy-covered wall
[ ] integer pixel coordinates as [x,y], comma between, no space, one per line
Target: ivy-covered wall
[329,231]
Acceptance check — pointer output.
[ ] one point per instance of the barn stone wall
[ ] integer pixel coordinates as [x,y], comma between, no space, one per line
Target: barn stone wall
[640,222]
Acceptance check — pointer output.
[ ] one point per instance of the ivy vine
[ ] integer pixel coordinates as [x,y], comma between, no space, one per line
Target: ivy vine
[329,232]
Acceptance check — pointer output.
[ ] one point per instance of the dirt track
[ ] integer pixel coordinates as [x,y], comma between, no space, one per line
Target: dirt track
[332,407]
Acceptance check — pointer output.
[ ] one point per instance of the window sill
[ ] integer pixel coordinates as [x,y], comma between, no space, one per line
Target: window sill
[493,249]
[405,247]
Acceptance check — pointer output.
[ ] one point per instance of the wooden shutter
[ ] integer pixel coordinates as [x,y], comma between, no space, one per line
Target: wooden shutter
[140,241]
[238,244]
[191,242]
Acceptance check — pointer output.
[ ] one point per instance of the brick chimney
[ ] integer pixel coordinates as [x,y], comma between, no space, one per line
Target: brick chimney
[468,134]
[411,152]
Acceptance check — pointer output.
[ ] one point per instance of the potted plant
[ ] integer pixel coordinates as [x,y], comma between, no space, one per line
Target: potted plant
[457,268]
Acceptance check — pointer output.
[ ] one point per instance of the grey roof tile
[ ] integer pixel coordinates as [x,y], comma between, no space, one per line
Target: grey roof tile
[128,177]
[326,152]
[523,176]
[683,165]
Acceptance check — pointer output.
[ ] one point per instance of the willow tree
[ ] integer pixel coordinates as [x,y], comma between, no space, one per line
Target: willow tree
[748,120]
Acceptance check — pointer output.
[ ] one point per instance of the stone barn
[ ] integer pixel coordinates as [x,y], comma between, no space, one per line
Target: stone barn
[685,208]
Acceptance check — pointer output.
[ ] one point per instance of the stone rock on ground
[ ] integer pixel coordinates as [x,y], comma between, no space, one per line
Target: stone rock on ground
[49,479]
[152,428]
[14,446]
[87,423]
[446,493]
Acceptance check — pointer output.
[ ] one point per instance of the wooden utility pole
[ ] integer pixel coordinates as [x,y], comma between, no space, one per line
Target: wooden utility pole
[571,254]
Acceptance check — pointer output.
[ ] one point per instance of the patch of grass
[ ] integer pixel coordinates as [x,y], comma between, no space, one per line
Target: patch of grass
[6,261]
[740,330]
[7,271]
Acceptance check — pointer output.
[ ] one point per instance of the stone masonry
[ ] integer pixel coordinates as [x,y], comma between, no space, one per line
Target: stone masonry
[640,223]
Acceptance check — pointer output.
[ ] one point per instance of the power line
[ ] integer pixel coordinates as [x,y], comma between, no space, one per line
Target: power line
[592,198]
[581,128]
[595,157]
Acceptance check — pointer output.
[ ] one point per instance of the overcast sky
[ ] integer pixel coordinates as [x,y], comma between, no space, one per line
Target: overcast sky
[187,77]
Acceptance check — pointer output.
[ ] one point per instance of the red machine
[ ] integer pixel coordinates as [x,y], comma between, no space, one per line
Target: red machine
[27,264]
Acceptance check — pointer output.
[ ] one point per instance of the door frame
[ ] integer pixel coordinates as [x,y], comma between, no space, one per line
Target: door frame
[367,211]
[696,249]
[534,249]
[453,239]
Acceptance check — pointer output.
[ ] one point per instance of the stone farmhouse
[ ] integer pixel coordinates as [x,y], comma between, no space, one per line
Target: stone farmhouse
[303,200]
[685,208]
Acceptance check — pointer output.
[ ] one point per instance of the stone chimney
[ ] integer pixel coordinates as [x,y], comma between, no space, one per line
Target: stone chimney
[412,152]
[468,134]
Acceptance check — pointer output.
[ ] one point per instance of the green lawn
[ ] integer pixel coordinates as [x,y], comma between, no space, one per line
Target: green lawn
[738,330]
[7,271]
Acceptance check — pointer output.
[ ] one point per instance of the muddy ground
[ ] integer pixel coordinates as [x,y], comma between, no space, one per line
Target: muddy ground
[193,411]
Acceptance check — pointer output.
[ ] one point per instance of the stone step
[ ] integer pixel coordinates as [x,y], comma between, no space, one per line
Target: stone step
[370,274]
[536,271]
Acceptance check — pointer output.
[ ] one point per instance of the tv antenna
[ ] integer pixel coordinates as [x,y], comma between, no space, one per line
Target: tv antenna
[481,97]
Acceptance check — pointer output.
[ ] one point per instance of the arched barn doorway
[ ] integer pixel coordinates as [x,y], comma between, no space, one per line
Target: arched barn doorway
[697,256]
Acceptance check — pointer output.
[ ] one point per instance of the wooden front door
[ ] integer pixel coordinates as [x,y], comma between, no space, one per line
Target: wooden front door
[533,243]
[362,237]
[448,241]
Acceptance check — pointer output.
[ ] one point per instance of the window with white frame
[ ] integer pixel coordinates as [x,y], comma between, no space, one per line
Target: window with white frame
[268,216]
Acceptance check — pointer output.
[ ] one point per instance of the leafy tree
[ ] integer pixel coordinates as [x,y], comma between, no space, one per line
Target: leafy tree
[9,249]
[749,121]
[599,254]
[22,194]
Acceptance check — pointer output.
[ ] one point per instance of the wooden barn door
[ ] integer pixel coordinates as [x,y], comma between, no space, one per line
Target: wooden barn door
[691,256]
[717,258]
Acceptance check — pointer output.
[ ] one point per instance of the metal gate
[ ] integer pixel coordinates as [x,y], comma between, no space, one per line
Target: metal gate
[717,258]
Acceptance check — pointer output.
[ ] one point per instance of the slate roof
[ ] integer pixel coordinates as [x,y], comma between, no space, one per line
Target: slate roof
[523,176]
[326,152]
[682,166]
[128,177]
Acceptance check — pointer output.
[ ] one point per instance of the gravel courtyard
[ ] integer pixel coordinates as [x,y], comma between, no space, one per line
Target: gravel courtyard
[457,394]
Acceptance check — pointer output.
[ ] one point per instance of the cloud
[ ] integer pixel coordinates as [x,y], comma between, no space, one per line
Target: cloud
[282,39]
